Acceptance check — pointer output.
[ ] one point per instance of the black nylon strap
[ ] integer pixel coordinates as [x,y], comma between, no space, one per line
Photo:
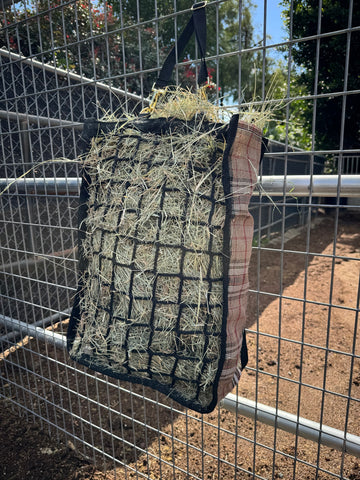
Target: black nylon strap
[196,23]
[244,352]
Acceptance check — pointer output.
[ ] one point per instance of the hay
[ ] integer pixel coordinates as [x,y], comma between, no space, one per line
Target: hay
[154,250]
[154,221]
[186,105]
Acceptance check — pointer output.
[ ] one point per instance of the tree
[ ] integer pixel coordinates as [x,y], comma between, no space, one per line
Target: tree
[232,38]
[79,37]
[331,69]
[102,40]
[224,36]
[288,119]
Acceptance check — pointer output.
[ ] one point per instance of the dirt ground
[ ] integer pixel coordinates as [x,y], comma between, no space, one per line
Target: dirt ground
[276,367]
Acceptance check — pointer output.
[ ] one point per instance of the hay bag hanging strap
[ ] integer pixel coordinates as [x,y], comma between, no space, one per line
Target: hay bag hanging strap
[197,24]
[164,245]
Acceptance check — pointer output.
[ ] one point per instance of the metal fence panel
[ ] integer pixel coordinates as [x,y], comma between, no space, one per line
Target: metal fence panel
[295,413]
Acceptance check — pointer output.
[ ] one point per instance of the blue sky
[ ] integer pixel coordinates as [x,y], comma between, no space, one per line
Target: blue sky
[274,21]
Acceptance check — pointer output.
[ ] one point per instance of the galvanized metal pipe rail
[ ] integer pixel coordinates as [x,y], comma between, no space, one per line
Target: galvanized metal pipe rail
[288,422]
[306,185]
[81,79]
[33,331]
[271,185]
[39,120]
[45,322]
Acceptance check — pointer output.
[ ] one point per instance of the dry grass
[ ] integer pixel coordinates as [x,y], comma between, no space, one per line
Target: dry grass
[156,208]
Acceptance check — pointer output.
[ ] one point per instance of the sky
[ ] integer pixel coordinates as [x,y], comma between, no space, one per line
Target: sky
[274,22]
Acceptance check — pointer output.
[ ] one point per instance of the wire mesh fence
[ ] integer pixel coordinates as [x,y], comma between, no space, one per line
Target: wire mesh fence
[295,413]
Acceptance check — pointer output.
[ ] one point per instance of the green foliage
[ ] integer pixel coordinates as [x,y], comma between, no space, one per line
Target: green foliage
[225,23]
[331,69]
[290,120]
[99,40]
[235,70]
[81,38]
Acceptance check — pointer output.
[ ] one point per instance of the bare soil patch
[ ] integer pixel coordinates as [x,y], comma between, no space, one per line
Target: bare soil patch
[317,311]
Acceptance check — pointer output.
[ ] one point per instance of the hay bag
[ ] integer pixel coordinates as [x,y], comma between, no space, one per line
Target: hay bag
[164,246]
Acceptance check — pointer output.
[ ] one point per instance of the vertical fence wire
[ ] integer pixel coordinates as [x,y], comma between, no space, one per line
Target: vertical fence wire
[304,339]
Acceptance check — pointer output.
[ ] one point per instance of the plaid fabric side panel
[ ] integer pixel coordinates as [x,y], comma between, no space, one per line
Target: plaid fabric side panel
[244,161]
